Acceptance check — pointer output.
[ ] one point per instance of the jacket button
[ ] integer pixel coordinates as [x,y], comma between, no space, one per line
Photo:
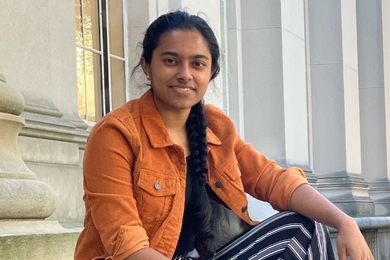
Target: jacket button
[244,208]
[157,185]
[219,184]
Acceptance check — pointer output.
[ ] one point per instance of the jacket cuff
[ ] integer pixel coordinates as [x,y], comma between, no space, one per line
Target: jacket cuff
[130,239]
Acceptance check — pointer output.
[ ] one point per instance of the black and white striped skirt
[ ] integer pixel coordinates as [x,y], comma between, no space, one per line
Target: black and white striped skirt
[283,236]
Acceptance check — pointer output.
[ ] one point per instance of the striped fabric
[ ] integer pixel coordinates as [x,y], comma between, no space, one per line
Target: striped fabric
[284,236]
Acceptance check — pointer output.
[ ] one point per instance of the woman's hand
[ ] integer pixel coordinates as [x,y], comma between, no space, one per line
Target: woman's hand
[350,242]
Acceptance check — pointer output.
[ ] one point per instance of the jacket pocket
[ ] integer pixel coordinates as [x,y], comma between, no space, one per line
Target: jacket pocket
[231,171]
[229,177]
[155,195]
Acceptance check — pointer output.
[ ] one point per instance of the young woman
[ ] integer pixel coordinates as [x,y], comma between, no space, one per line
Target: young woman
[165,176]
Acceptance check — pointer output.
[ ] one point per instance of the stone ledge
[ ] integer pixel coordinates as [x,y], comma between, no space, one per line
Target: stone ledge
[36,240]
[376,231]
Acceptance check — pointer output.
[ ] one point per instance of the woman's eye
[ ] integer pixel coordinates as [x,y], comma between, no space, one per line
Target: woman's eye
[170,61]
[199,64]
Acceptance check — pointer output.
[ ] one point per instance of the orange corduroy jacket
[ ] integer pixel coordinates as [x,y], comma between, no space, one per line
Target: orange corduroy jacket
[134,180]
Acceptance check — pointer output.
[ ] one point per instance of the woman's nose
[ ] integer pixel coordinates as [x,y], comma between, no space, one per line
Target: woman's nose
[184,73]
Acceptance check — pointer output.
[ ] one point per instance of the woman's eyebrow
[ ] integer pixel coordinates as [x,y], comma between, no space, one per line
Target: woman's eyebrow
[199,56]
[170,53]
[175,54]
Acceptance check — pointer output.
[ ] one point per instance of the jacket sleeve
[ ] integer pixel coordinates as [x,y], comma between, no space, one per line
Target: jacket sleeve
[264,179]
[108,188]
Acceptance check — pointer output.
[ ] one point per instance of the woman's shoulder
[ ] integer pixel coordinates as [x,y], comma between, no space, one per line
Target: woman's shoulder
[214,113]
[128,109]
[217,120]
[122,118]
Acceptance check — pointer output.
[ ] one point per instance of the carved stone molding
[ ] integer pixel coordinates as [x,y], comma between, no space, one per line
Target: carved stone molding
[348,191]
[44,120]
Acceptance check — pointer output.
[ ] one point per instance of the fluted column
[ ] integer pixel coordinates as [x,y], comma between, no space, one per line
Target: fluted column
[22,196]
[334,107]
[262,73]
[234,90]
[295,91]
[374,99]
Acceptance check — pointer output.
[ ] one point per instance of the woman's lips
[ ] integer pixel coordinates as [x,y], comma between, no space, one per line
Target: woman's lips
[183,89]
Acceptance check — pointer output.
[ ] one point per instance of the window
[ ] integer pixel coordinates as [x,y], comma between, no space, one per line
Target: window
[101,65]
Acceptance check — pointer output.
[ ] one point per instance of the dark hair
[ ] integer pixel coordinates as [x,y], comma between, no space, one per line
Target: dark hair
[180,20]
[202,211]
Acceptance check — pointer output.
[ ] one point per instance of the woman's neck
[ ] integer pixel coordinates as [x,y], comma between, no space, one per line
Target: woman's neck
[175,123]
[175,120]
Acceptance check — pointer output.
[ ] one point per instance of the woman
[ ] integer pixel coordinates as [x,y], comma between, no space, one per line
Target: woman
[165,176]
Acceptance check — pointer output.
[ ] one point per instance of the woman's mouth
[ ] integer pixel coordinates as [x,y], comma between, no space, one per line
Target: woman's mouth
[183,89]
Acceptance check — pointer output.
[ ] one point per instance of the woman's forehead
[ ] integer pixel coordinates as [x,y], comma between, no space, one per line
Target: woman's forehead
[183,40]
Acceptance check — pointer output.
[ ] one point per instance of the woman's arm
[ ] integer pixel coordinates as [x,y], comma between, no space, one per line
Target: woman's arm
[350,242]
[108,186]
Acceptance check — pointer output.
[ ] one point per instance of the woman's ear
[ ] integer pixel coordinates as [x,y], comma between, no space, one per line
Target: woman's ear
[145,66]
[212,75]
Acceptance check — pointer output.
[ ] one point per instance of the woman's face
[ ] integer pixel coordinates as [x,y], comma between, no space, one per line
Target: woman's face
[180,69]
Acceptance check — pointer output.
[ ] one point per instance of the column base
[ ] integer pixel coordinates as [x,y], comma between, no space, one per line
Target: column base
[347,191]
[25,199]
[380,194]
[311,177]
[36,239]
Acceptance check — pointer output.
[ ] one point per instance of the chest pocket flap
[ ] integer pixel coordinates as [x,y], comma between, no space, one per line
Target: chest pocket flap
[157,185]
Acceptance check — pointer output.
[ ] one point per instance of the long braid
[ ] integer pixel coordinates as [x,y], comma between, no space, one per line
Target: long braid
[196,130]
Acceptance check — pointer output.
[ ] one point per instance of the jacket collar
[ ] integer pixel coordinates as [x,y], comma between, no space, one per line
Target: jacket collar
[154,125]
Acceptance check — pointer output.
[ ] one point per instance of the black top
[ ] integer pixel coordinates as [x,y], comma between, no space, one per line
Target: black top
[187,236]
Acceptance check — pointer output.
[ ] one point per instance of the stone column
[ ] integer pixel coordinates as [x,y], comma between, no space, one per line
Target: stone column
[256,81]
[262,73]
[234,88]
[295,91]
[374,100]
[333,87]
[22,196]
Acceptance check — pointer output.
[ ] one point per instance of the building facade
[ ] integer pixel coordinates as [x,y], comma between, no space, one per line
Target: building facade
[306,82]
